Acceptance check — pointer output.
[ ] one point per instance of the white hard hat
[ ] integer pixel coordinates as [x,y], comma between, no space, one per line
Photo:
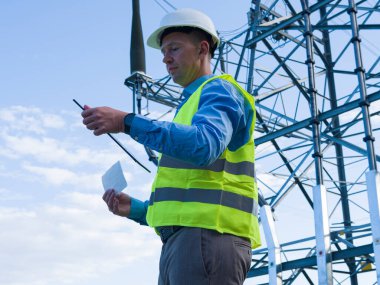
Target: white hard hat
[185,17]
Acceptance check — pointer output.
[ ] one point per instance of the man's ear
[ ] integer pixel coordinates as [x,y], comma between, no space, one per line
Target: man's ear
[204,48]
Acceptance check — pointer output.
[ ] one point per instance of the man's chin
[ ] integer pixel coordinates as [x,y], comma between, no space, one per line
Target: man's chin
[175,79]
[179,80]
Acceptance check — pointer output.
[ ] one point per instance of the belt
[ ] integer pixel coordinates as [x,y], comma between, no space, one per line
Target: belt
[167,231]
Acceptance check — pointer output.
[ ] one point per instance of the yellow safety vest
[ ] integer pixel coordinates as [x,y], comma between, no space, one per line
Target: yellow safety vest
[222,196]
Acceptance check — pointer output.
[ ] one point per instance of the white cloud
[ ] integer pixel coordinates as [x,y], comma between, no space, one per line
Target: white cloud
[7,115]
[75,240]
[60,148]
[68,238]
[264,149]
[51,150]
[267,180]
[30,119]
[349,116]
[52,121]
[60,176]
[166,114]
[9,195]
[141,191]
[375,107]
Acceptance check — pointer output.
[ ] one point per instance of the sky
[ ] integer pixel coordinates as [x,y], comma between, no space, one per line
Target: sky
[56,229]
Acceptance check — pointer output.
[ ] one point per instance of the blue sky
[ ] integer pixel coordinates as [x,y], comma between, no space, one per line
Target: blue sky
[55,227]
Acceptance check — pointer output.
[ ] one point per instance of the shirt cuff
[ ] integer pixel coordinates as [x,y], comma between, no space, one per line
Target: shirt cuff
[141,125]
[128,120]
[138,211]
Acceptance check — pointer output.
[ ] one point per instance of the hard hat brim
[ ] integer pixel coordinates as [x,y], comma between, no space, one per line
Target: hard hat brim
[154,39]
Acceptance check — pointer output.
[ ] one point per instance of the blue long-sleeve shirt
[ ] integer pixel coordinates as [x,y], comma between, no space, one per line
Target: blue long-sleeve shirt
[222,121]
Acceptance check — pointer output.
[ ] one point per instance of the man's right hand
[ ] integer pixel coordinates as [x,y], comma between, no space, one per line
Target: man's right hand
[118,203]
[103,120]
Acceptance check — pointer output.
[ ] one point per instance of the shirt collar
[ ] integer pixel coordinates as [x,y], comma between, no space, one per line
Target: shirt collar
[193,86]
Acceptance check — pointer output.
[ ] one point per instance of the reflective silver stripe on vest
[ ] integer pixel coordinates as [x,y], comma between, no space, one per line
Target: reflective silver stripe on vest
[221,164]
[218,197]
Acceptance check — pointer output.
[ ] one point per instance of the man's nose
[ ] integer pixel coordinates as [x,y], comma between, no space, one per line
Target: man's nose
[167,59]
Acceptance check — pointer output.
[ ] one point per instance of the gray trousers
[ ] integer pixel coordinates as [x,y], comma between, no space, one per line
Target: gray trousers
[195,256]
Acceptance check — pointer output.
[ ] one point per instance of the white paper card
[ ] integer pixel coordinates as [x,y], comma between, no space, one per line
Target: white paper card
[114,178]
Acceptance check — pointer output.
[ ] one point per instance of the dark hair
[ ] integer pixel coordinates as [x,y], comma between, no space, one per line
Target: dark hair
[201,35]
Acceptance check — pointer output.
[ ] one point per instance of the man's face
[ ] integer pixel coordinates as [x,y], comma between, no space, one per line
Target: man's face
[182,57]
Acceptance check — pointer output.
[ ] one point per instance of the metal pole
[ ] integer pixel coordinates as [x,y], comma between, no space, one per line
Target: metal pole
[321,222]
[338,147]
[369,139]
[254,21]
[137,51]
[373,188]
[274,250]
[372,176]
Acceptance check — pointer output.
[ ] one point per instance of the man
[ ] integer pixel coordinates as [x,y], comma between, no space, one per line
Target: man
[204,197]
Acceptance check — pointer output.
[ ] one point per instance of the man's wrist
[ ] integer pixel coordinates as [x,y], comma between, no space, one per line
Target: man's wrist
[128,120]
